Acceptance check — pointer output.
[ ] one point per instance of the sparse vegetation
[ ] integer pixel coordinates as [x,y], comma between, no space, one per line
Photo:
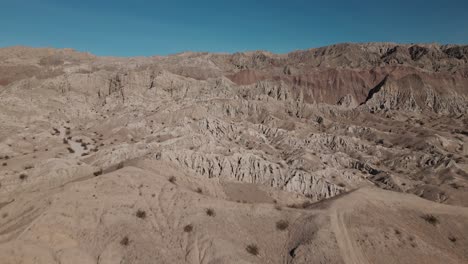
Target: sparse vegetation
[431,219]
[97,173]
[252,249]
[23,176]
[4,164]
[282,225]
[320,120]
[210,212]
[120,165]
[188,228]
[199,190]
[302,205]
[70,150]
[452,239]
[125,241]
[141,214]
[28,167]
[172,179]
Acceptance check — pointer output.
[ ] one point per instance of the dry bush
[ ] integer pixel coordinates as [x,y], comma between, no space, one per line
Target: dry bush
[125,241]
[172,179]
[23,176]
[431,219]
[210,212]
[252,249]
[302,205]
[141,214]
[282,225]
[188,228]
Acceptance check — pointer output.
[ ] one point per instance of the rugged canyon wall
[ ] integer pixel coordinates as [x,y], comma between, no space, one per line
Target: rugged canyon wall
[316,122]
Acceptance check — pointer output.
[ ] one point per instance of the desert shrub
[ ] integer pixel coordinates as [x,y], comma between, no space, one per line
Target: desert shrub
[452,239]
[141,214]
[70,150]
[188,228]
[97,173]
[172,179]
[125,241]
[65,141]
[199,190]
[320,120]
[210,212]
[4,164]
[302,205]
[23,176]
[252,249]
[28,167]
[431,219]
[120,165]
[282,225]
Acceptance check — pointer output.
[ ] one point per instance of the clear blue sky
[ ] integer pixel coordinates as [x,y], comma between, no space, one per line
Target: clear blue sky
[137,27]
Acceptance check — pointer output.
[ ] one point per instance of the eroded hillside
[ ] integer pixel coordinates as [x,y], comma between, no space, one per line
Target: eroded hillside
[242,132]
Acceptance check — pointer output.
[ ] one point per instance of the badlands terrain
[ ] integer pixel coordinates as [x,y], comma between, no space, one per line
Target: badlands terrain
[351,153]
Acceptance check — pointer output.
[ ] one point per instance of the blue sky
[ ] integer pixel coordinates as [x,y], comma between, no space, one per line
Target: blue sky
[137,27]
